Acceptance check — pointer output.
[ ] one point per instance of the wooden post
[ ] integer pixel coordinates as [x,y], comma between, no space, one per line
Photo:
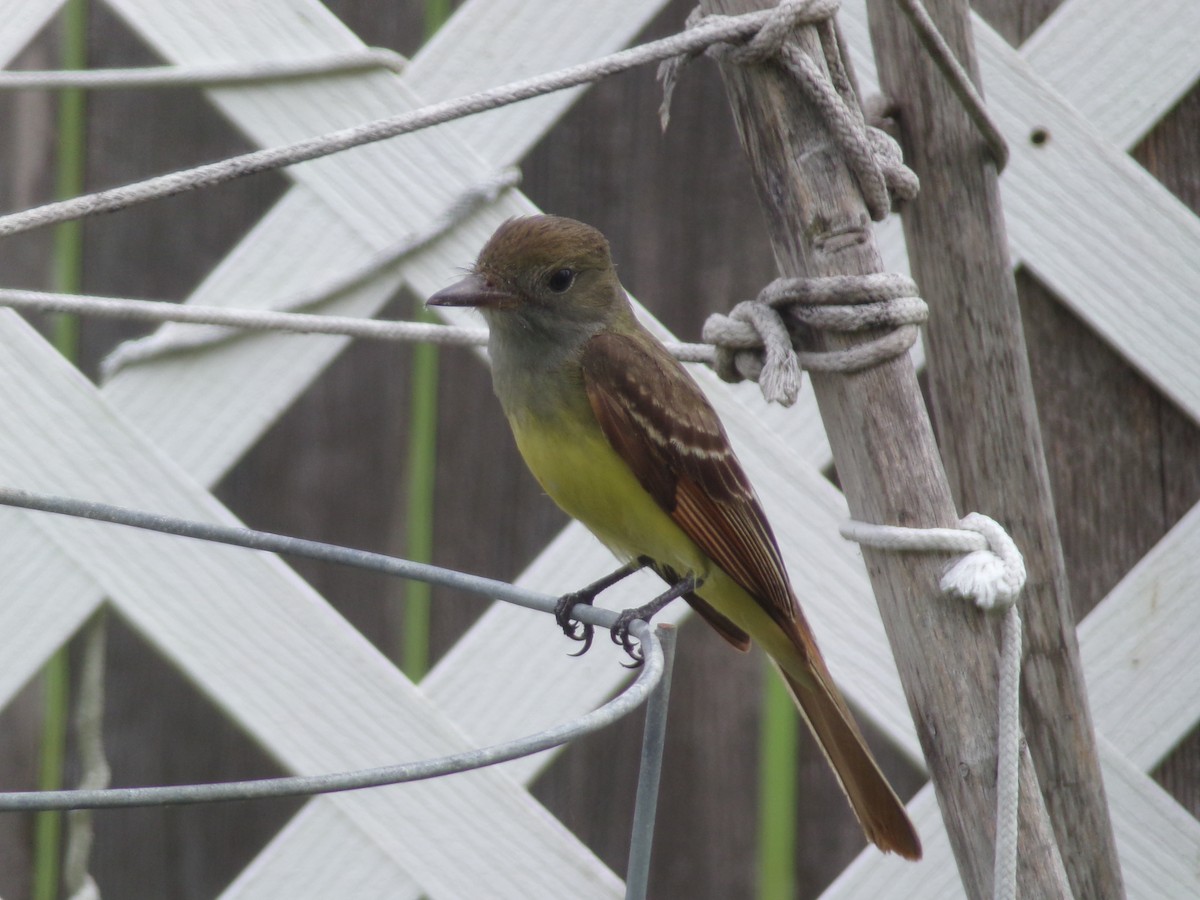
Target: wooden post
[987,417]
[888,465]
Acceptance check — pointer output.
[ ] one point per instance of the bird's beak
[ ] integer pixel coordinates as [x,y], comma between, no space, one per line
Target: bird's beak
[472,291]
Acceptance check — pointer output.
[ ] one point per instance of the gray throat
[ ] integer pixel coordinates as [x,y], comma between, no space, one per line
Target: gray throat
[528,362]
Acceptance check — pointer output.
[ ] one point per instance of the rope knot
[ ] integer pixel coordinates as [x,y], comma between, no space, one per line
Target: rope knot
[991,577]
[756,340]
[871,155]
[764,45]
[768,43]
[752,343]
[990,572]
[902,182]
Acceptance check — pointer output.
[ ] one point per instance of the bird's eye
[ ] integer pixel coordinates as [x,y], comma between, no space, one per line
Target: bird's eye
[561,281]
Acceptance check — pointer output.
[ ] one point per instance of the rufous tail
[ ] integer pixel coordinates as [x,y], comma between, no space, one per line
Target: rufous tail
[876,805]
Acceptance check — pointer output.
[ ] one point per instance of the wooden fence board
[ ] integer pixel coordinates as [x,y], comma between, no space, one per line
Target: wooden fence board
[22,20]
[45,604]
[1131,206]
[1050,196]
[1157,839]
[1139,650]
[1121,65]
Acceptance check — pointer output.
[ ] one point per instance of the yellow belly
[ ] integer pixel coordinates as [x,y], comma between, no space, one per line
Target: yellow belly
[582,473]
[578,468]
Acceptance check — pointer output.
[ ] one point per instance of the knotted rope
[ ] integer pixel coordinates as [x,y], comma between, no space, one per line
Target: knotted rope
[991,574]
[755,342]
[872,155]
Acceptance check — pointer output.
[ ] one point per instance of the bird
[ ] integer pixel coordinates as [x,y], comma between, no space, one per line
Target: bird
[621,437]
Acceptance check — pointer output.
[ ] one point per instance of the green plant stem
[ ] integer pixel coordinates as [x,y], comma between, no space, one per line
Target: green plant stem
[436,14]
[47,831]
[66,276]
[777,792]
[422,463]
[422,469]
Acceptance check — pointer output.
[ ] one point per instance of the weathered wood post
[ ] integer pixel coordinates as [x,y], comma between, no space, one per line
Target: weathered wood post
[983,399]
[889,467]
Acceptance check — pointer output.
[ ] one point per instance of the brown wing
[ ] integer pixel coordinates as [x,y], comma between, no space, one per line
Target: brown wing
[660,423]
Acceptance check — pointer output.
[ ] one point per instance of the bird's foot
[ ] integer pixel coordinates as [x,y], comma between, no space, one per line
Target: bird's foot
[620,630]
[573,628]
[620,635]
[581,631]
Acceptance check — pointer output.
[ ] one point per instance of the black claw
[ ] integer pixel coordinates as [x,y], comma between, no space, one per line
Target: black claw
[620,630]
[621,637]
[581,631]
[588,632]
[584,633]
[575,630]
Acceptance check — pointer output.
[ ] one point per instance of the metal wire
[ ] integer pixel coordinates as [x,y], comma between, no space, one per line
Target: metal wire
[650,677]
[306,785]
[734,28]
[291,546]
[229,74]
[637,875]
[268,320]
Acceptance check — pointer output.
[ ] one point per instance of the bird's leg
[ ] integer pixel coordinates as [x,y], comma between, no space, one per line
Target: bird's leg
[580,631]
[620,629]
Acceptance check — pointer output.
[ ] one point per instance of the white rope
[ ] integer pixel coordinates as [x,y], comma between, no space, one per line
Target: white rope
[735,344]
[271,320]
[224,322]
[763,350]
[872,155]
[1008,789]
[733,29]
[167,341]
[754,341]
[957,77]
[991,573]
[247,319]
[211,75]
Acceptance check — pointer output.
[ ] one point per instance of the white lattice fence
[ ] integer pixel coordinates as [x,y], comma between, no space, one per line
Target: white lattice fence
[180,423]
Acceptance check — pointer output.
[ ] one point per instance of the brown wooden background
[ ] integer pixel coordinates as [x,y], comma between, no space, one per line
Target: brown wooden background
[681,215]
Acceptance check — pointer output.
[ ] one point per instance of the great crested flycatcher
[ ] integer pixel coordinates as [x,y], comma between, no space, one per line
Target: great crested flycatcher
[620,436]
